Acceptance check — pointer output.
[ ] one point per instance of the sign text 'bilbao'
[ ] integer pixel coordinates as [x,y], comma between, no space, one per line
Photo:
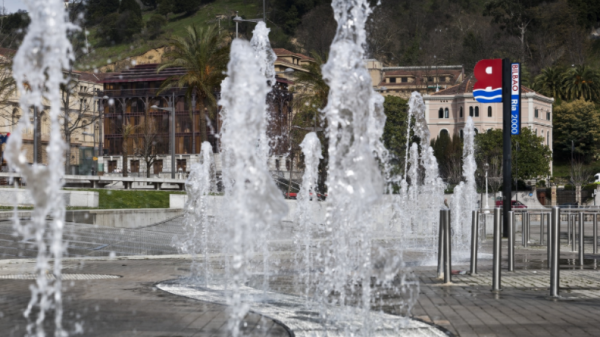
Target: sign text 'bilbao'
[488,88]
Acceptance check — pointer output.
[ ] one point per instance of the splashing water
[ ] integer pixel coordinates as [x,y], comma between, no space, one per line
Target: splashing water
[419,202]
[306,199]
[266,58]
[197,224]
[464,200]
[252,201]
[355,124]
[38,72]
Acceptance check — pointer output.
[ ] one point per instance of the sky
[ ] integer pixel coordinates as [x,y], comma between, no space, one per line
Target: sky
[13,5]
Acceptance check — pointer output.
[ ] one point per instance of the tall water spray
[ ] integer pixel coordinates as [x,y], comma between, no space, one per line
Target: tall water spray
[252,201]
[196,222]
[266,58]
[306,201]
[355,124]
[38,73]
[464,200]
[422,192]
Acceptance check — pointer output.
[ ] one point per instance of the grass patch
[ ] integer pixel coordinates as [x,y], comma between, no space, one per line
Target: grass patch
[119,199]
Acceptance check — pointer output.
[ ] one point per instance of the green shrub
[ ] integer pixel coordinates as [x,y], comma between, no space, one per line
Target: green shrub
[155,24]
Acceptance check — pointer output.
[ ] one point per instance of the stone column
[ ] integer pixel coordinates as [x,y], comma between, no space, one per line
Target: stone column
[553,195]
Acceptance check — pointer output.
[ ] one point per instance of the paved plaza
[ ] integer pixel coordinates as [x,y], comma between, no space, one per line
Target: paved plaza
[119,296]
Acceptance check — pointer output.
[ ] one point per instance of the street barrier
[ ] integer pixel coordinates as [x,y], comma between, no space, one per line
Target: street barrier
[497,251]
[555,252]
[474,241]
[511,241]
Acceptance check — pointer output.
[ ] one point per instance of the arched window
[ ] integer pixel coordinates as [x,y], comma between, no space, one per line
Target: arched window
[461,112]
[489,111]
[548,138]
[446,113]
[444,132]
[471,111]
[536,132]
[461,134]
[441,113]
[476,111]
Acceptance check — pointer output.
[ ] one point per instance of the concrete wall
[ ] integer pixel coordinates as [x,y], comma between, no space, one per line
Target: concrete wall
[118,218]
[8,197]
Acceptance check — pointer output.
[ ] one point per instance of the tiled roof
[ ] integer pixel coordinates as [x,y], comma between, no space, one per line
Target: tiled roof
[142,73]
[419,73]
[466,87]
[284,52]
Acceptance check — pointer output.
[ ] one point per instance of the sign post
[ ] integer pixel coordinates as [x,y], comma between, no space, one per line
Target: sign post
[499,80]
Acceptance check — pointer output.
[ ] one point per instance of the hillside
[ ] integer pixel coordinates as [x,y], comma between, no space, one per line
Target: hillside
[149,51]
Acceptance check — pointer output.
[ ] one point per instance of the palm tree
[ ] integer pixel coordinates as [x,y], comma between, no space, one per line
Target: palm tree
[204,56]
[582,82]
[550,82]
[310,97]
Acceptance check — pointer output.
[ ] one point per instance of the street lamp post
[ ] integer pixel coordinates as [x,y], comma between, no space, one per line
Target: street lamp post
[486,167]
[237,19]
[172,110]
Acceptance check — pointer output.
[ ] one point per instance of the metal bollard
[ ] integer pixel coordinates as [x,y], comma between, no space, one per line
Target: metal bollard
[542,217]
[474,241]
[595,230]
[549,241]
[447,248]
[573,229]
[525,230]
[497,251]
[511,241]
[581,240]
[441,246]
[555,252]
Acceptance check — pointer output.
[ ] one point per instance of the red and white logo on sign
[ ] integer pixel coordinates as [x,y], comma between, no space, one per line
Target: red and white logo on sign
[488,88]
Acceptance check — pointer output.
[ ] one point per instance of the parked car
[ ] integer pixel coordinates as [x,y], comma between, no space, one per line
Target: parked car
[514,204]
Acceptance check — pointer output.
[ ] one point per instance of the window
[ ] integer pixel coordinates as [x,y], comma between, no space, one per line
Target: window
[441,113]
[446,113]
[135,166]
[404,79]
[461,134]
[158,166]
[444,132]
[181,165]
[392,80]
[461,112]
[476,111]
[471,111]
[537,113]
[476,131]
[277,164]
[429,79]
[548,138]
[548,115]
[489,111]
[536,132]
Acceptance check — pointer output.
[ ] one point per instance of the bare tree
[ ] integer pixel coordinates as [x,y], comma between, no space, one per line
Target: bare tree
[7,90]
[128,131]
[580,174]
[146,146]
[77,114]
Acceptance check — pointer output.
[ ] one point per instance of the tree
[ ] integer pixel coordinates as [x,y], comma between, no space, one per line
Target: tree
[449,152]
[76,114]
[155,24]
[128,131]
[130,6]
[8,87]
[146,146]
[117,28]
[165,7]
[204,56]
[185,6]
[580,174]
[310,98]
[533,158]
[288,13]
[150,3]
[317,30]
[394,132]
[582,82]
[550,82]
[97,10]
[577,122]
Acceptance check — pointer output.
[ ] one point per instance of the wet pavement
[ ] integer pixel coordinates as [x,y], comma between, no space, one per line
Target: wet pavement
[129,303]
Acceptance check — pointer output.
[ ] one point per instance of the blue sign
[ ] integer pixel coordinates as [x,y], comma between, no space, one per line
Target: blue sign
[4,139]
[515,99]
